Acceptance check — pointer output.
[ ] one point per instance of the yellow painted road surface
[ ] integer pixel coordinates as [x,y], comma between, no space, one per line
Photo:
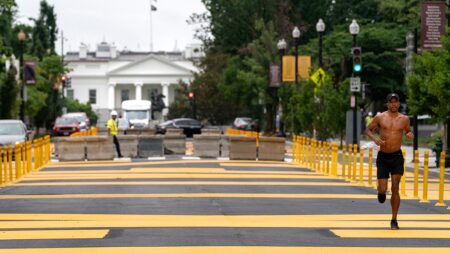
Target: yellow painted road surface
[209,206]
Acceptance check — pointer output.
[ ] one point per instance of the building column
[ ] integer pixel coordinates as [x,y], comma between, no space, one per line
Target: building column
[138,86]
[111,95]
[165,92]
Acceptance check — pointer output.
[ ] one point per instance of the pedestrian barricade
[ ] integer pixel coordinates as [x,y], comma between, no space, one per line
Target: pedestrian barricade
[224,146]
[150,146]
[71,149]
[175,144]
[147,131]
[214,131]
[207,145]
[99,148]
[174,131]
[271,148]
[128,145]
[242,148]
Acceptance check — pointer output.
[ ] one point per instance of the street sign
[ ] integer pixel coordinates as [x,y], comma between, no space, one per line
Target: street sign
[355,84]
[318,77]
[432,24]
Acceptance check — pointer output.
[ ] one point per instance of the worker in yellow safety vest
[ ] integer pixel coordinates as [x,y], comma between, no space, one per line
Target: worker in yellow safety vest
[112,131]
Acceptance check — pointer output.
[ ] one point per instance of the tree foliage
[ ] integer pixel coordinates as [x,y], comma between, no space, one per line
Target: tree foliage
[429,84]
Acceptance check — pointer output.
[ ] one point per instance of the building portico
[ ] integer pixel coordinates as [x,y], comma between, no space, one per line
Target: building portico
[107,81]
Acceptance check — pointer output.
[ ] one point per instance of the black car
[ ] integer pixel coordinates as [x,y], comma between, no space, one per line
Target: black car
[189,126]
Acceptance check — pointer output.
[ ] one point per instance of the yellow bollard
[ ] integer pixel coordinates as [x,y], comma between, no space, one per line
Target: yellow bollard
[355,158]
[416,174]
[333,160]
[329,157]
[294,144]
[5,164]
[441,180]
[349,161]
[10,151]
[361,167]
[35,154]
[299,151]
[425,178]
[2,163]
[320,156]
[29,156]
[18,159]
[370,166]
[403,184]
[344,154]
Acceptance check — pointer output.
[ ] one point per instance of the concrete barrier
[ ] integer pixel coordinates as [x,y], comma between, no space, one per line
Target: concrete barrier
[148,131]
[242,148]
[271,148]
[224,146]
[150,146]
[214,131]
[99,148]
[133,131]
[71,149]
[207,145]
[174,131]
[128,145]
[175,144]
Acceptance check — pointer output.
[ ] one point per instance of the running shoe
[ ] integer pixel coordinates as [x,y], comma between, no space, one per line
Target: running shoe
[381,197]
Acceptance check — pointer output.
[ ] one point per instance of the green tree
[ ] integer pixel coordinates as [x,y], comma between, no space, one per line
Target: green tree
[429,83]
[45,31]
[74,105]
[9,91]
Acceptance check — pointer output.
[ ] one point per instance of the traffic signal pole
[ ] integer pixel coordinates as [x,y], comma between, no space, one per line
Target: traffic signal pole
[355,130]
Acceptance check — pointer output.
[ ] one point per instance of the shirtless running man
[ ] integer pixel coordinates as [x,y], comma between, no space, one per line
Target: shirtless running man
[391,125]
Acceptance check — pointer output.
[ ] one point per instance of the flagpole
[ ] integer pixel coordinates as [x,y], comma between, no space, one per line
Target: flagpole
[151,27]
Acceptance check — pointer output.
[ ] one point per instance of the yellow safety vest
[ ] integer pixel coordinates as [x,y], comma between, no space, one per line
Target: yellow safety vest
[112,125]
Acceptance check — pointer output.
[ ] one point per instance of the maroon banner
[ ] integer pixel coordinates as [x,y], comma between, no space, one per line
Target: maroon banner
[274,76]
[433,24]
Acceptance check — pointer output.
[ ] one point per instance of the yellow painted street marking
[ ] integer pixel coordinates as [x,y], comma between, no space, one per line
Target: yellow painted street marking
[299,218]
[234,249]
[107,164]
[268,183]
[277,165]
[174,170]
[438,234]
[53,234]
[251,221]
[189,195]
[228,249]
[161,175]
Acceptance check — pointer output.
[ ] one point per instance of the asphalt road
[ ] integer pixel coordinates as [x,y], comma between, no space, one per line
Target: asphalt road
[207,206]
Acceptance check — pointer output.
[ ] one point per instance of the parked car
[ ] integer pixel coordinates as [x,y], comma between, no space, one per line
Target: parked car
[13,132]
[82,117]
[65,126]
[243,123]
[189,126]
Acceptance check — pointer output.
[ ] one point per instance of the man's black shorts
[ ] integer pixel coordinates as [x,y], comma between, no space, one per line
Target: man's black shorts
[389,163]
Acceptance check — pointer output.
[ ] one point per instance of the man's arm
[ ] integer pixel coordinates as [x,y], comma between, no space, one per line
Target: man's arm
[369,131]
[408,132]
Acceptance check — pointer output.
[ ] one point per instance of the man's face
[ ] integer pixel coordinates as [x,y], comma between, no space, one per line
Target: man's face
[114,117]
[393,105]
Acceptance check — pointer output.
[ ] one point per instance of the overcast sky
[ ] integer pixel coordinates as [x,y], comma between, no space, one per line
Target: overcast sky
[124,22]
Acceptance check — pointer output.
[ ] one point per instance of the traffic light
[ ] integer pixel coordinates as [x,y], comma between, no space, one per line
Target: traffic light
[64,81]
[191,95]
[356,52]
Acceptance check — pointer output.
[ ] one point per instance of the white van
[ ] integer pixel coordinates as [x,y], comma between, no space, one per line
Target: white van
[137,112]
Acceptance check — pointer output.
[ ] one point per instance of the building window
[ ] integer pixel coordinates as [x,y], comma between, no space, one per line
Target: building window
[125,95]
[93,96]
[70,93]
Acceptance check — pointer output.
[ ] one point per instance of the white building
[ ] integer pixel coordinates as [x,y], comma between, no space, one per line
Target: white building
[106,77]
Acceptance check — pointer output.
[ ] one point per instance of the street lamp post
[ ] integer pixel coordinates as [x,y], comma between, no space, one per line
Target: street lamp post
[354,30]
[320,28]
[21,36]
[281,45]
[296,36]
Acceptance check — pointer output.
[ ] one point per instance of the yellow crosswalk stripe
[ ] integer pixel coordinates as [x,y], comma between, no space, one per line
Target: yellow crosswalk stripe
[360,233]
[267,183]
[188,195]
[53,234]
